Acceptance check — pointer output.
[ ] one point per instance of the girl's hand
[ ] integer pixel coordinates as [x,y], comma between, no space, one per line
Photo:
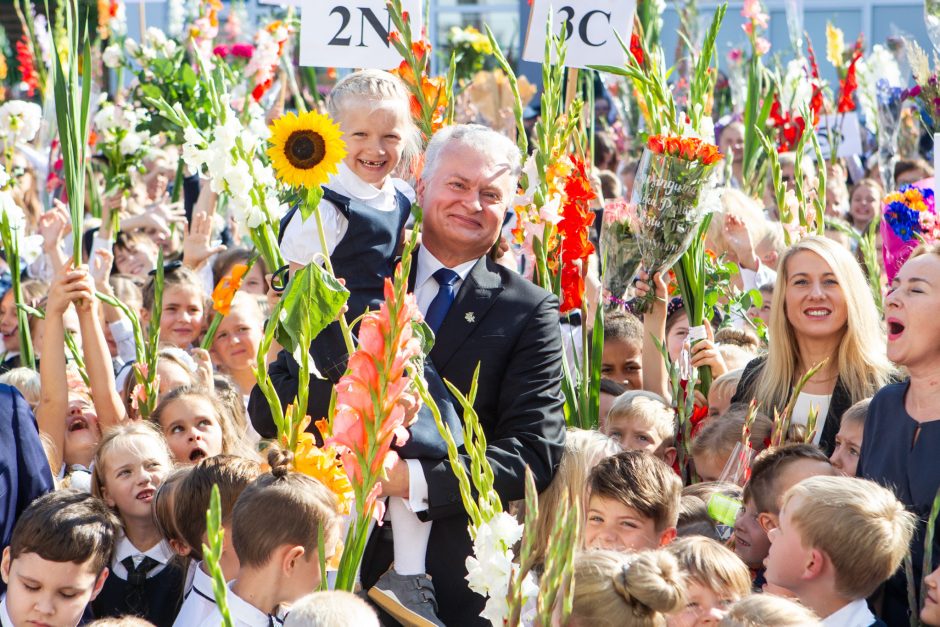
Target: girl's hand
[705,353]
[52,225]
[197,243]
[69,285]
[643,288]
[203,374]
[739,241]
[101,269]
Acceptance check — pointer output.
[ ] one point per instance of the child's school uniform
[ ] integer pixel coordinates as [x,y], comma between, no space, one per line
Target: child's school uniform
[243,614]
[855,614]
[5,620]
[145,584]
[199,601]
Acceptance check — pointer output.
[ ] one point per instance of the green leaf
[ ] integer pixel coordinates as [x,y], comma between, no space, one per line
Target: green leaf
[313,298]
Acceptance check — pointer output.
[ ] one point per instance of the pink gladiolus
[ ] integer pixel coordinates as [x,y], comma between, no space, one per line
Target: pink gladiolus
[245,51]
[752,11]
[762,46]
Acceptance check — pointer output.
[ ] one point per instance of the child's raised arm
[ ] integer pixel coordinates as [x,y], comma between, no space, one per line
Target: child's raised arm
[655,376]
[104,393]
[54,394]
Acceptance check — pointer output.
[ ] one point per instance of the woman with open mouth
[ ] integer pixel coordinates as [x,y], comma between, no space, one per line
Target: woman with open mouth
[902,432]
[822,311]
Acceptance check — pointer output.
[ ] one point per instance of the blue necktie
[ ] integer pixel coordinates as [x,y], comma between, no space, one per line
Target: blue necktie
[446,293]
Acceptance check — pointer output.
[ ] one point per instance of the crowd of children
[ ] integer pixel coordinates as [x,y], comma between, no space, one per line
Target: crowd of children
[106,520]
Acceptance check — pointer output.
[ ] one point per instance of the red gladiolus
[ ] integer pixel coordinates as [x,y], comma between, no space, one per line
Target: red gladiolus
[576,247]
[849,84]
[27,65]
[636,49]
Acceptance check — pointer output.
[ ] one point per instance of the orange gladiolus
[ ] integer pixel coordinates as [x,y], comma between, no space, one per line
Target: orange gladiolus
[224,292]
[688,148]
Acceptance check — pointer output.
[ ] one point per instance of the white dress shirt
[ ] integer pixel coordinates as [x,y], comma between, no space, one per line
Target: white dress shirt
[426,288]
[243,613]
[124,548]
[5,620]
[855,614]
[301,241]
[199,601]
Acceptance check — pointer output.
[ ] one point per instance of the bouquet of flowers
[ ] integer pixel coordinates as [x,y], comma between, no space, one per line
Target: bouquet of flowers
[910,218]
[669,181]
[927,90]
[123,146]
[619,247]
[470,48]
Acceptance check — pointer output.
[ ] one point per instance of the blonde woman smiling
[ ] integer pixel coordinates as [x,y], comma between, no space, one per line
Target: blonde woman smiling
[822,310]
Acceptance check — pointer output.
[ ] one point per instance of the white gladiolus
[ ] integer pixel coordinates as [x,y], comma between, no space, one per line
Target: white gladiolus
[112,57]
[491,567]
[19,121]
[13,212]
[131,143]
[4,177]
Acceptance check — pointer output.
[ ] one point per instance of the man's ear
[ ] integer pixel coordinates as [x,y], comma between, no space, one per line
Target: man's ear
[5,566]
[667,536]
[420,186]
[99,584]
[767,521]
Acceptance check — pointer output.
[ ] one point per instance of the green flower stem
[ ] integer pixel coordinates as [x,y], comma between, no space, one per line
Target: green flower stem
[206,343]
[213,555]
[76,356]
[11,246]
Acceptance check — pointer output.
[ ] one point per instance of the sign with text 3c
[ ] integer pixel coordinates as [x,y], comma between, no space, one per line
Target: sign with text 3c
[351,33]
[587,25]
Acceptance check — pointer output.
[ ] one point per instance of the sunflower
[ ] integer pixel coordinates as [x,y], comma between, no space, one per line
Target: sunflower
[305,149]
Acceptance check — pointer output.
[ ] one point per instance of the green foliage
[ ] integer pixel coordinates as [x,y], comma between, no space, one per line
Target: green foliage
[213,555]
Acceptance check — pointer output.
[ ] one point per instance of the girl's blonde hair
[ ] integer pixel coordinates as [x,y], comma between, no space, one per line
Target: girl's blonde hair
[377,88]
[233,438]
[768,610]
[860,360]
[613,589]
[116,436]
[712,565]
[26,380]
[583,450]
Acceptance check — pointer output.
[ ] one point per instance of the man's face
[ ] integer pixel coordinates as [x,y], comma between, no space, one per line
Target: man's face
[41,592]
[464,203]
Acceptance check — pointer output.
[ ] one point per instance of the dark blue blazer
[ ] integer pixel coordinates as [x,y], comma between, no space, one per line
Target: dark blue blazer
[24,469]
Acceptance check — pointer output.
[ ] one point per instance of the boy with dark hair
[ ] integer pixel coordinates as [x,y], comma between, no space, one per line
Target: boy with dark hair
[623,346]
[633,503]
[57,560]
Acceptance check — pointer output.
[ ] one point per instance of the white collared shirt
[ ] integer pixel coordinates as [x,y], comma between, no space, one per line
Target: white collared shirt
[855,614]
[301,241]
[199,601]
[124,548]
[5,620]
[243,614]
[426,288]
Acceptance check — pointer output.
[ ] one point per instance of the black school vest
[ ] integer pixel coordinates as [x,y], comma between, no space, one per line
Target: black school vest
[163,597]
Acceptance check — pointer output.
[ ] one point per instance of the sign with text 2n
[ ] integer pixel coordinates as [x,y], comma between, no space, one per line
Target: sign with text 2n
[589,27]
[351,33]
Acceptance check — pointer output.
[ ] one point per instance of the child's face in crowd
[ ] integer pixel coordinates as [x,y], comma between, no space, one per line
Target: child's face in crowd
[43,592]
[375,138]
[678,334]
[9,327]
[172,375]
[181,321]
[191,427]
[136,261]
[750,540]
[719,400]
[605,401]
[634,434]
[254,282]
[237,339]
[815,303]
[708,467]
[763,312]
[788,556]
[848,447]
[132,474]
[612,525]
[620,362]
[82,431]
[930,614]
[703,606]
[863,205]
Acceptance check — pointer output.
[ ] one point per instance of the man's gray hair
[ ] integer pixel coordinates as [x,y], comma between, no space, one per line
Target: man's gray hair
[485,140]
[331,608]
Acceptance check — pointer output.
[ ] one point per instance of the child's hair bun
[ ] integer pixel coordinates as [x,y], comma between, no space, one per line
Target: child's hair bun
[651,583]
[280,461]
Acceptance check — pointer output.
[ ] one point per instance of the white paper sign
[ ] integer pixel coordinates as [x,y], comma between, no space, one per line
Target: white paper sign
[351,34]
[844,129]
[589,27]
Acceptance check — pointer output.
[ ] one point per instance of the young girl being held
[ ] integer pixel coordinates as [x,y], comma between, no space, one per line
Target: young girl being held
[714,579]
[196,426]
[131,463]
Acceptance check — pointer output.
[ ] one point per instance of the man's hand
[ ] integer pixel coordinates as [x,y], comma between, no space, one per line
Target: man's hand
[398,482]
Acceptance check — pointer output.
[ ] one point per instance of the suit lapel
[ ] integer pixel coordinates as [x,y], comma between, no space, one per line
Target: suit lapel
[477,294]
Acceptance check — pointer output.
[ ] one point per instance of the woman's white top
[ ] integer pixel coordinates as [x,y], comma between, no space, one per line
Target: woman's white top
[806,401]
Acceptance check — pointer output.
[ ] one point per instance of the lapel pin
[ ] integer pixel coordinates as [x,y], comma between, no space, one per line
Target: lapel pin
[470,317]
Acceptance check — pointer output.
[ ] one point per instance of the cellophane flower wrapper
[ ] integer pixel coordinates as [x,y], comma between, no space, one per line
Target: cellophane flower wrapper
[668,212]
[737,469]
[901,226]
[890,101]
[619,248]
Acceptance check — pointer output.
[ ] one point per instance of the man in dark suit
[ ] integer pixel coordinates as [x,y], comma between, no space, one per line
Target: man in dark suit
[485,314]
